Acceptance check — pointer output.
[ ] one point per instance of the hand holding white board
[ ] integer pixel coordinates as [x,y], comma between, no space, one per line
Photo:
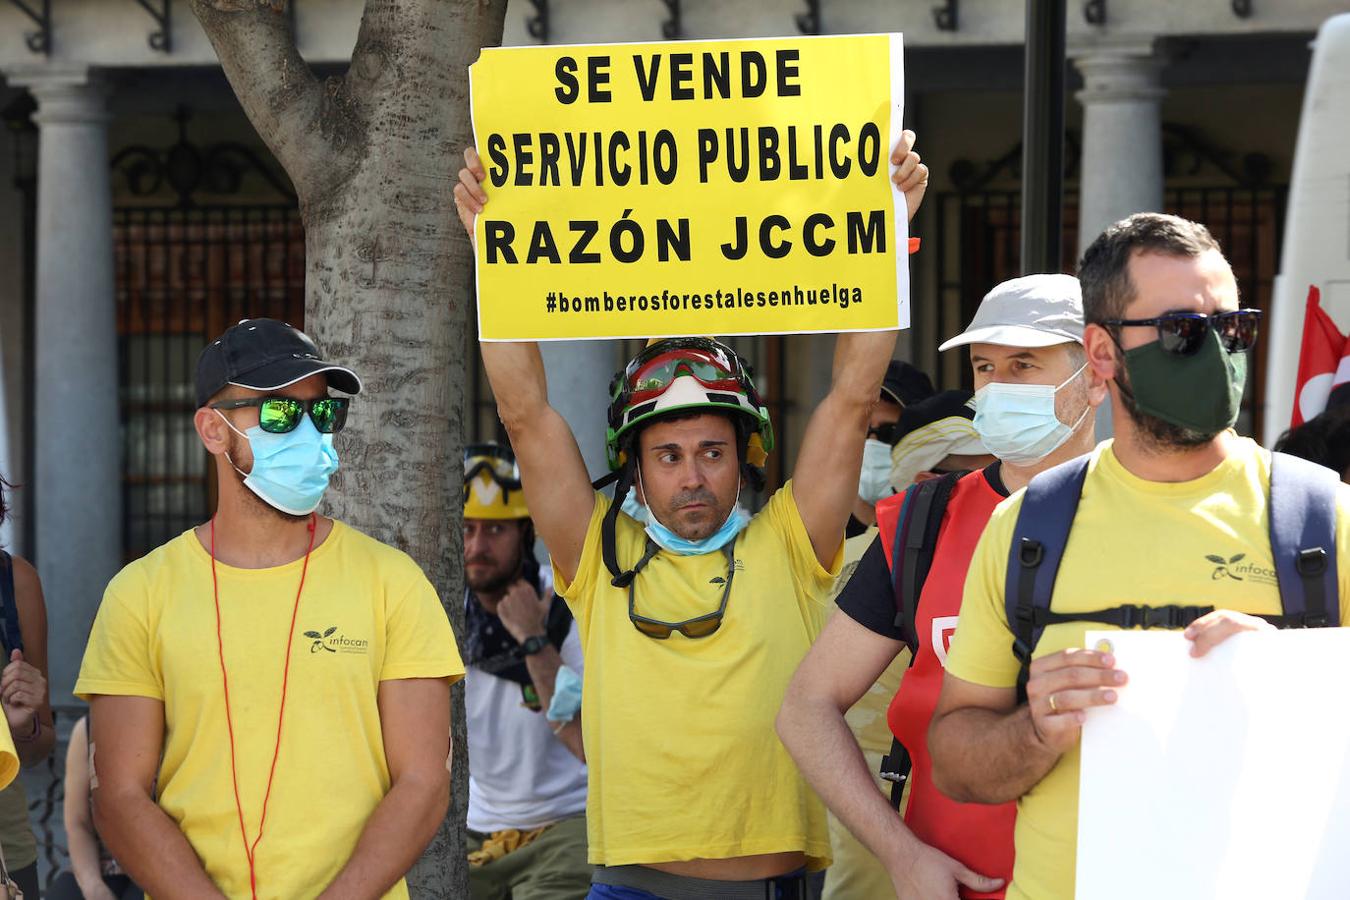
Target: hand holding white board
[1221,777]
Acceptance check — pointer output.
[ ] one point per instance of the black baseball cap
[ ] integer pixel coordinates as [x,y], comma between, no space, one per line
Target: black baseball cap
[264,355]
[904,384]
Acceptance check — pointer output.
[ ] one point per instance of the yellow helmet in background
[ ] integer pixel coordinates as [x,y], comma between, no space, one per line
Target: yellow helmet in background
[492,484]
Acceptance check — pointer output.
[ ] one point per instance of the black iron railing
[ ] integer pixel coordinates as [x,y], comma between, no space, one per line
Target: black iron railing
[979,232]
[183,276]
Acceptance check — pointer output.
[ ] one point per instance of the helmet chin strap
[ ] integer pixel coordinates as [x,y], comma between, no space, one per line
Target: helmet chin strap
[620,578]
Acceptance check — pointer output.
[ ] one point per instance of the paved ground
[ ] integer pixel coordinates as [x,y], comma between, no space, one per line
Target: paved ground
[45,796]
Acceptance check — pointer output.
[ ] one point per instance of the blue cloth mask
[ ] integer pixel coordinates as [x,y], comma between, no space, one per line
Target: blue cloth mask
[566,702]
[666,539]
[1017,422]
[290,471]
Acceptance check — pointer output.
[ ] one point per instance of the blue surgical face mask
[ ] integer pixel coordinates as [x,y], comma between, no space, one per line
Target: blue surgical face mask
[634,507]
[1017,422]
[566,702]
[874,481]
[666,539]
[290,471]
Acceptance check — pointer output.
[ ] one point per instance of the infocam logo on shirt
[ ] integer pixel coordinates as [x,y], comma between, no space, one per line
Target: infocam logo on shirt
[334,641]
[1239,568]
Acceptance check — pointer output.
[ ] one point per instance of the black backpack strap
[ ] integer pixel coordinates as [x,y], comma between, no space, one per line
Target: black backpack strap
[898,555]
[915,542]
[1039,538]
[1125,617]
[1303,541]
[916,535]
[895,768]
[10,636]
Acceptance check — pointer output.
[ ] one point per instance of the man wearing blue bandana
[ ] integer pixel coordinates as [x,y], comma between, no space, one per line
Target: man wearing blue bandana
[693,621]
[522,700]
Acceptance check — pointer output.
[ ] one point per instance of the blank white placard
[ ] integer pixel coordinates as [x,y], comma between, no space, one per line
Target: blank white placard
[1223,777]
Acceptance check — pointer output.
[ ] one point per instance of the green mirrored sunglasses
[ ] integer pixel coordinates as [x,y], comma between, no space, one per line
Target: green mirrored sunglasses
[278,415]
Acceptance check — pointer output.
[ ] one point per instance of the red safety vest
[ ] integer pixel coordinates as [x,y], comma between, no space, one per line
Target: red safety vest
[980,836]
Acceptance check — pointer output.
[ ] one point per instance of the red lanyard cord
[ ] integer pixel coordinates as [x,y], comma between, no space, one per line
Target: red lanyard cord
[251,849]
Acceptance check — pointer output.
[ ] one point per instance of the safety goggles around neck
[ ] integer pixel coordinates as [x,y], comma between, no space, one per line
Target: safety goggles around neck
[279,415]
[1182,333]
[697,627]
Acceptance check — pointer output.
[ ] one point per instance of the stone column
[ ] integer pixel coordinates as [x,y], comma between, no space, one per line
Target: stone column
[1122,166]
[78,491]
[1122,170]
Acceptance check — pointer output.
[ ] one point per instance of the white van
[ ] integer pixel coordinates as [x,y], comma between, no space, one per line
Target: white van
[1317,228]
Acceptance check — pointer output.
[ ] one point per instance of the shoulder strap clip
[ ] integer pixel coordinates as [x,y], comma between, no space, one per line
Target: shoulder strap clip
[1030,553]
[1311,562]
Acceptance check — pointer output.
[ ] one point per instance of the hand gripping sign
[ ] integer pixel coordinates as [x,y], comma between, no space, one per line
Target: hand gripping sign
[691,187]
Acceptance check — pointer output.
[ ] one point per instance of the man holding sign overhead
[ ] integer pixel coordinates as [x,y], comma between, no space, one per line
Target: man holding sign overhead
[692,621]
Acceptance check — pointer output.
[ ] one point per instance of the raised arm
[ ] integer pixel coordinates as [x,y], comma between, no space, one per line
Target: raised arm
[832,448]
[552,471]
[127,734]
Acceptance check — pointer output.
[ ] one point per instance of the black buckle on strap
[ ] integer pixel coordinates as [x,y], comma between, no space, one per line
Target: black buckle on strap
[1133,617]
[1146,617]
[1311,563]
[1304,620]
[1030,553]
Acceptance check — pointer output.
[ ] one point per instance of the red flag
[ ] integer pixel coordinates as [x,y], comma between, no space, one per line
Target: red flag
[1323,347]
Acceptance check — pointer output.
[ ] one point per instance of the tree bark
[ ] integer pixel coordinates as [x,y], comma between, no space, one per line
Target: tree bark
[374,156]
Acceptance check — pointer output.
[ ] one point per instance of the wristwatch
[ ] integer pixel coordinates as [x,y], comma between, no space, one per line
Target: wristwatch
[534,644]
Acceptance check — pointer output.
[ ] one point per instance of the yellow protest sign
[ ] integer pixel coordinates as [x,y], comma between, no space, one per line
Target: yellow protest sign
[690,187]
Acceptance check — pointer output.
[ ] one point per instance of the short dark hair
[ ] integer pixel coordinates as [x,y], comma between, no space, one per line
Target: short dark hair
[1323,439]
[1104,271]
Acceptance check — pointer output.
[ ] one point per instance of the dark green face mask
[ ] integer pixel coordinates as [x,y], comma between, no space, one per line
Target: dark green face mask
[1201,392]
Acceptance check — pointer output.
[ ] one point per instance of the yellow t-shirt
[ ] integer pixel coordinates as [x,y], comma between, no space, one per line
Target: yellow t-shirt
[1133,542]
[681,752]
[376,618]
[9,759]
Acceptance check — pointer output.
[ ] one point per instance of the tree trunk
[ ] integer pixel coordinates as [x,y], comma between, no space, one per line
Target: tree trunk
[374,156]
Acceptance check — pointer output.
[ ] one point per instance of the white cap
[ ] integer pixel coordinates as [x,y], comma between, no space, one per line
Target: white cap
[1032,311]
